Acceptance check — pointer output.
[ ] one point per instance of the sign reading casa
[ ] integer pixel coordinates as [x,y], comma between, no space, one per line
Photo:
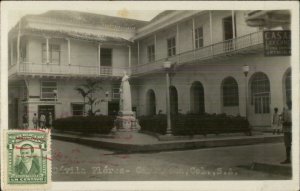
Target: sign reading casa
[277,43]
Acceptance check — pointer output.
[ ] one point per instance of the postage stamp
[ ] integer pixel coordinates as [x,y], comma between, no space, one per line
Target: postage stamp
[27,158]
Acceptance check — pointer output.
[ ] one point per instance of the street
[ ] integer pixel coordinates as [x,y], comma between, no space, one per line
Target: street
[76,162]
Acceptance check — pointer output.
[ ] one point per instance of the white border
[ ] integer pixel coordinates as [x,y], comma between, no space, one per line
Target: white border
[156,5]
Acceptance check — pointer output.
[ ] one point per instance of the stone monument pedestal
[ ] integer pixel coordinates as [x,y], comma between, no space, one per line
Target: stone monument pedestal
[126,122]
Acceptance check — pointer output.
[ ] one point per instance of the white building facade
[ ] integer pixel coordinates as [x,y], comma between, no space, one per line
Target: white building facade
[51,56]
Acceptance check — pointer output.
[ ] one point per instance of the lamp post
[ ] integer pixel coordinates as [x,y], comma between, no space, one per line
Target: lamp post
[167,66]
[246,71]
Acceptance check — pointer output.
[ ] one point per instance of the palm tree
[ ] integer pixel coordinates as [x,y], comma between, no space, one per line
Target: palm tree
[87,90]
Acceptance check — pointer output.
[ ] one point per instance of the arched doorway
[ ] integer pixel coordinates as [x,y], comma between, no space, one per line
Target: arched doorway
[150,103]
[260,99]
[197,98]
[287,84]
[173,100]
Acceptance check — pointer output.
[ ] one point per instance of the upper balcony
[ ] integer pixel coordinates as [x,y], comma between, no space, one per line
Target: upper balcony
[249,43]
[32,69]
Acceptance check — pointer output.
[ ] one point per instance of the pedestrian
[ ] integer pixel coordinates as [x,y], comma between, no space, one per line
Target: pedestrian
[35,121]
[42,121]
[50,119]
[25,121]
[276,121]
[287,132]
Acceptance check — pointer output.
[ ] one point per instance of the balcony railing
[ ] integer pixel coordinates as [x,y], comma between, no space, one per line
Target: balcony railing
[223,48]
[228,47]
[68,70]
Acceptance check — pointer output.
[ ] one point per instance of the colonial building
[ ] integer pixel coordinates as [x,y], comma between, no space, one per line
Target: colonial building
[211,51]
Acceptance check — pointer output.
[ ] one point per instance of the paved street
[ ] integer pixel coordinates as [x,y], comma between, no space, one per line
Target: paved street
[75,162]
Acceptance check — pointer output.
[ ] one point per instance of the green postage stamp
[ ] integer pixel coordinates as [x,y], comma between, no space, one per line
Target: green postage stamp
[27,159]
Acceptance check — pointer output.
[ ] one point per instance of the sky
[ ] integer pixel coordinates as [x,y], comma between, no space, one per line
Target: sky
[14,16]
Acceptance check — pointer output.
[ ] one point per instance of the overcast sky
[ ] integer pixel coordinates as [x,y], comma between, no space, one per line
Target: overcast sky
[14,16]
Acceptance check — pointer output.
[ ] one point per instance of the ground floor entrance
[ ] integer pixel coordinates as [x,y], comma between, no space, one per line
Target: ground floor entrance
[113,108]
[47,110]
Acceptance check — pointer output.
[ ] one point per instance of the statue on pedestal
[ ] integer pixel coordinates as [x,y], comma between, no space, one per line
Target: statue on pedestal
[126,120]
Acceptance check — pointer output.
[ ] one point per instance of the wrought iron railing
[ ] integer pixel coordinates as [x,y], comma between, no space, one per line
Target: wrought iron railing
[225,47]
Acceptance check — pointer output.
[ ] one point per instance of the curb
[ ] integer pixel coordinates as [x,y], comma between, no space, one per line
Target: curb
[273,168]
[167,146]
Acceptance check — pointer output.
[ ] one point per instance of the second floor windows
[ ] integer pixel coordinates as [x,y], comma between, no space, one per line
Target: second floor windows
[171,43]
[48,90]
[106,57]
[199,37]
[54,53]
[151,53]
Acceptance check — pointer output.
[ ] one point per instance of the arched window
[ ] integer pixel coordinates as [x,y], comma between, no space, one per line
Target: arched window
[230,92]
[150,102]
[260,93]
[288,87]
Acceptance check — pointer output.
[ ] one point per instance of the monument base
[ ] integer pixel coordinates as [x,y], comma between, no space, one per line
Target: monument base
[126,123]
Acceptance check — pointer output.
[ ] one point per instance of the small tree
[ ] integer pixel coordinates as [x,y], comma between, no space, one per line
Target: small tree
[88,91]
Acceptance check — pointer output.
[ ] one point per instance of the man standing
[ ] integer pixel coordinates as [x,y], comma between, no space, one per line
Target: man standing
[287,131]
[25,121]
[35,121]
[50,120]
[42,121]
[28,164]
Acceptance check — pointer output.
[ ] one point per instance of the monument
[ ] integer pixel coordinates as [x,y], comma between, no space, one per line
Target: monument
[126,120]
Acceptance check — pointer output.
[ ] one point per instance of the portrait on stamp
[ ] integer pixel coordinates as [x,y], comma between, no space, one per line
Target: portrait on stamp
[29,163]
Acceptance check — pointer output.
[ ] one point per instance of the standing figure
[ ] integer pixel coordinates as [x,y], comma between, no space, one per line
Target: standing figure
[287,132]
[42,121]
[125,95]
[35,121]
[25,121]
[276,121]
[50,120]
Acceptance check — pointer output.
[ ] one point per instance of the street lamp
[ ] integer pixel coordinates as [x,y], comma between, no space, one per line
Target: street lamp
[167,66]
[246,69]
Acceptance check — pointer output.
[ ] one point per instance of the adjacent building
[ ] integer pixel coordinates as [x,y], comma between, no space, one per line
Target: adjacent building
[53,53]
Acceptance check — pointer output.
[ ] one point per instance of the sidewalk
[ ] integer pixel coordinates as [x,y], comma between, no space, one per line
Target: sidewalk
[139,142]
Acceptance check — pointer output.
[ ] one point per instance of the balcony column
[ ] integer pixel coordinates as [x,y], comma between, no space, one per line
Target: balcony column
[47,50]
[211,33]
[129,56]
[99,58]
[233,24]
[18,50]
[138,52]
[177,42]
[11,52]
[233,28]
[69,51]
[193,33]
[154,47]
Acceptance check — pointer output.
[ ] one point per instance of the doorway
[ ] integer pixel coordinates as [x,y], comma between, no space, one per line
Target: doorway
[228,34]
[113,108]
[46,110]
